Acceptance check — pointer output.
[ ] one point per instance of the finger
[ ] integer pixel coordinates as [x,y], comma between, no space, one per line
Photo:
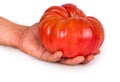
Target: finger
[73,61]
[47,56]
[98,52]
[88,59]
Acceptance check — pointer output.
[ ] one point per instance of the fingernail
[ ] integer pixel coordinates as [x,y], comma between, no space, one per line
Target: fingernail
[59,53]
[80,59]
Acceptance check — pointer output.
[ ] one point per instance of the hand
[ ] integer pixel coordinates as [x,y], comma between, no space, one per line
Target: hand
[30,44]
[26,39]
[79,59]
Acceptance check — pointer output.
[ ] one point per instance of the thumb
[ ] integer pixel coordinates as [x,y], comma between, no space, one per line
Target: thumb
[41,53]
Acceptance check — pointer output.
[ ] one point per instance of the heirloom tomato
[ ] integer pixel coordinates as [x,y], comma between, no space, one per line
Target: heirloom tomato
[66,28]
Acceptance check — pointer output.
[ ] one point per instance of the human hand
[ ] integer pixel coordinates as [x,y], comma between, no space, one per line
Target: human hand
[26,38]
[30,44]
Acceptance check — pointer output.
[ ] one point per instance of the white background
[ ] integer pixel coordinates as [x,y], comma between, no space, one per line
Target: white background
[16,66]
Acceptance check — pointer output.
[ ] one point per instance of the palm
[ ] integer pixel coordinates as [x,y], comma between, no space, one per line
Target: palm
[30,43]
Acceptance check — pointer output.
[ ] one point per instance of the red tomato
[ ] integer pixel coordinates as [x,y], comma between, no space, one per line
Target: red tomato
[66,28]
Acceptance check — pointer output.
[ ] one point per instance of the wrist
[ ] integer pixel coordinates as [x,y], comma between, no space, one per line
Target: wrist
[18,35]
[10,33]
[13,36]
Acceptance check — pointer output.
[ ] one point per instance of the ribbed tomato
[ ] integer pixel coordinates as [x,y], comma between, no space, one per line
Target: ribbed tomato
[66,28]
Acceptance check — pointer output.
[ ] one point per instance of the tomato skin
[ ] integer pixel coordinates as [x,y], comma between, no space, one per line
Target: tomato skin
[66,28]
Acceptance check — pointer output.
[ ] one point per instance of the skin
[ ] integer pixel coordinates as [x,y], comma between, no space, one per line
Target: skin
[26,39]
